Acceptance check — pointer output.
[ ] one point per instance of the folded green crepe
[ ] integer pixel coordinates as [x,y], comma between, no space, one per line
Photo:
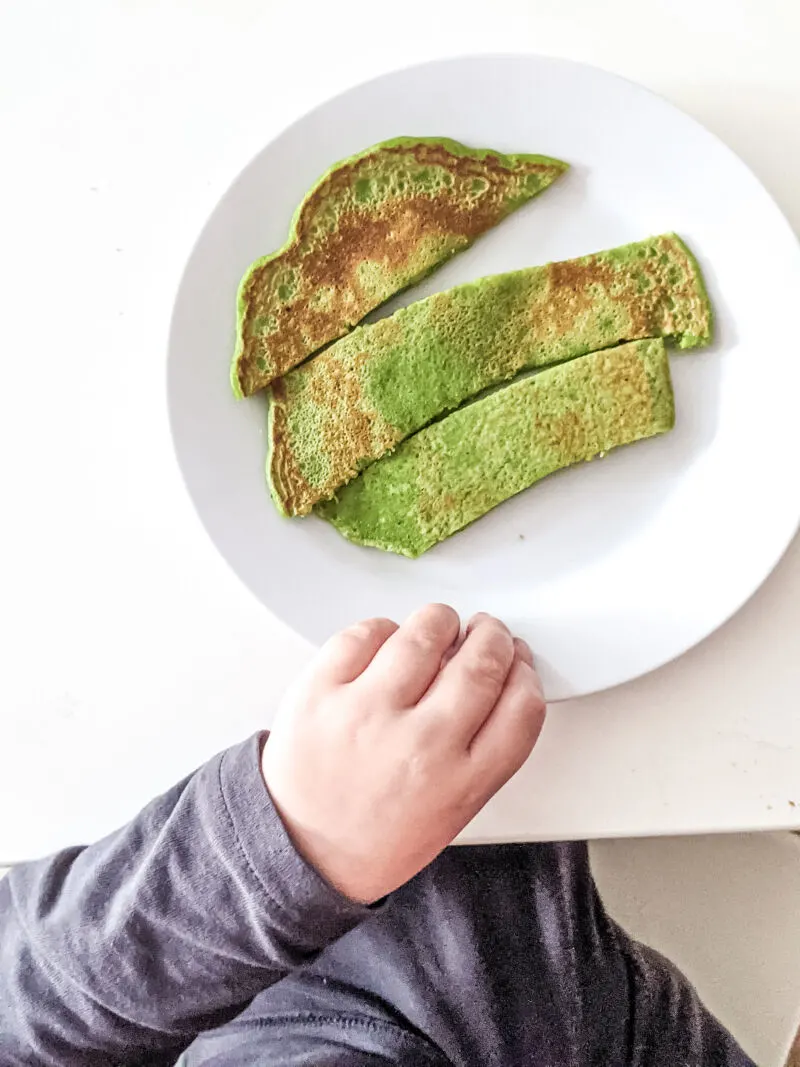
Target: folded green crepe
[361,397]
[456,470]
[372,225]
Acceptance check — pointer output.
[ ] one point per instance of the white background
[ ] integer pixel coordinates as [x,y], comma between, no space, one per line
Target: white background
[128,652]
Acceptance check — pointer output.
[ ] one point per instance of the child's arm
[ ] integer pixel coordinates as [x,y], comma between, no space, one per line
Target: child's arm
[125,950]
[163,929]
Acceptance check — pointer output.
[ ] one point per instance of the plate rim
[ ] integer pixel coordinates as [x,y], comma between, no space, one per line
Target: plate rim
[618,678]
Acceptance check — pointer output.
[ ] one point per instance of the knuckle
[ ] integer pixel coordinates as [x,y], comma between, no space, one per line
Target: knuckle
[432,627]
[424,640]
[492,663]
[488,666]
[489,660]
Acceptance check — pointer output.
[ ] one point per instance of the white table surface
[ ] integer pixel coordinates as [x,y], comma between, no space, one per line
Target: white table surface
[128,651]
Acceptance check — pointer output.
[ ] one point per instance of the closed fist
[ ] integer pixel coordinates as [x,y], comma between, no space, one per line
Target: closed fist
[394,741]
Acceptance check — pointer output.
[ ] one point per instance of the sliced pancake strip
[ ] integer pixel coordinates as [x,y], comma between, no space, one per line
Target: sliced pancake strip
[453,472]
[372,225]
[361,397]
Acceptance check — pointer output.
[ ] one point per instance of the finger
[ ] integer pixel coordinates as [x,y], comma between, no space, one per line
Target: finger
[507,737]
[521,647]
[478,617]
[347,654]
[470,684]
[456,645]
[523,651]
[412,657]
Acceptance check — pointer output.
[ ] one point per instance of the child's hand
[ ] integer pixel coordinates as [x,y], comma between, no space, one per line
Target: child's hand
[396,739]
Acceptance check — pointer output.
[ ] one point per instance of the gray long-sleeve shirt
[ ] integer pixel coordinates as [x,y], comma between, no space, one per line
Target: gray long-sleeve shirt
[200,918]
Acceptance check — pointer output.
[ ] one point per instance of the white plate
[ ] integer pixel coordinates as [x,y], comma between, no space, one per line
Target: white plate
[610,569]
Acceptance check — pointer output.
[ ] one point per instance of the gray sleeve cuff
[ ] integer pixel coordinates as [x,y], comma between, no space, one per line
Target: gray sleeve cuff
[311,911]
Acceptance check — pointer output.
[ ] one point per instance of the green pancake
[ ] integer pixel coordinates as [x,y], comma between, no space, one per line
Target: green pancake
[372,225]
[362,396]
[456,470]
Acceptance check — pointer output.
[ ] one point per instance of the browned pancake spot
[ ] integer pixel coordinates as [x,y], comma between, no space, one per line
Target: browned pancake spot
[388,234]
[347,428]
